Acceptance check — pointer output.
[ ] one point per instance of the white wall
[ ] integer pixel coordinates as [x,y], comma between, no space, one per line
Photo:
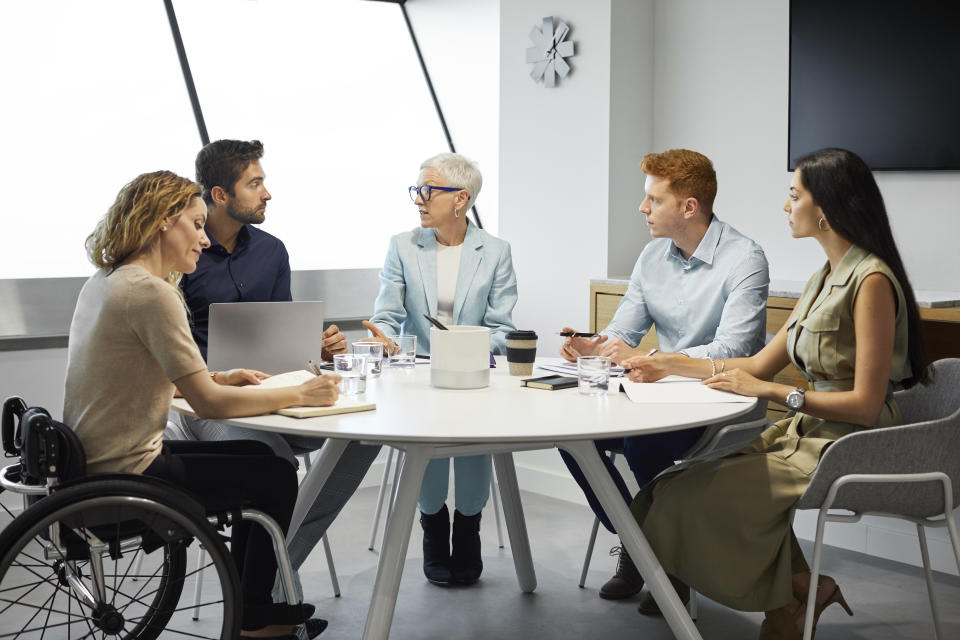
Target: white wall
[721,87]
[554,165]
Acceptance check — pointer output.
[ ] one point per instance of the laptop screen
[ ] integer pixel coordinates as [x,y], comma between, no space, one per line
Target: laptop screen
[272,337]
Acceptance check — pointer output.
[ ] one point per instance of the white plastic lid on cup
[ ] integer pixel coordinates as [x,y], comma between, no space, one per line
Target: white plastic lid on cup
[460,357]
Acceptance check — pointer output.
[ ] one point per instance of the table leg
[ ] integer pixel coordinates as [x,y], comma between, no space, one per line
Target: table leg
[393,552]
[516,524]
[587,456]
[318,475]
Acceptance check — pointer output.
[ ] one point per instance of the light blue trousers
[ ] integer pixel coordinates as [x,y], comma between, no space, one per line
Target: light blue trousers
[471,484]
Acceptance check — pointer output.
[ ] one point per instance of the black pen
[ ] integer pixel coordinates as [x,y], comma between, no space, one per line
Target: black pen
[435,323]
[576,334]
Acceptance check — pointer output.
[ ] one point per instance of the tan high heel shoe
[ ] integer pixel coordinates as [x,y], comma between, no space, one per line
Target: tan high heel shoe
[836,596]
[782,624]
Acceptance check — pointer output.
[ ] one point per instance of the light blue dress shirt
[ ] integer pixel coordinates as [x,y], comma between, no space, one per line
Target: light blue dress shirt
[710,306]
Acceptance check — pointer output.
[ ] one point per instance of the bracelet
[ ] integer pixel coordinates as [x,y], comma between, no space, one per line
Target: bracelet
[713,367]
[213,376]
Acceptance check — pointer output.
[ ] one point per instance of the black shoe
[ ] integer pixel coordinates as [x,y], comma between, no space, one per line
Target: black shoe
[436,547]
[257,616]
[466,563]
[648,605]
[626,581]
[315,627]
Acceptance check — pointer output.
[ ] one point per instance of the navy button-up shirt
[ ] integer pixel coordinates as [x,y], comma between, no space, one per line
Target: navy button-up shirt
[258,270]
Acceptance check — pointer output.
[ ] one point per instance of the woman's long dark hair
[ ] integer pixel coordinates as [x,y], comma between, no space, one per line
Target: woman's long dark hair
[843,186]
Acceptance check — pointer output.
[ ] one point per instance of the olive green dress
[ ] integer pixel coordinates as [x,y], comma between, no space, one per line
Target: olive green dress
[723,526]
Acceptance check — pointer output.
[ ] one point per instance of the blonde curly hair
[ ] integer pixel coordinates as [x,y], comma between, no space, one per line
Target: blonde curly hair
[132,223]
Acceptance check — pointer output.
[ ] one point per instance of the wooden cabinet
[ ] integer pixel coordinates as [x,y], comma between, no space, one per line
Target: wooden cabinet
[941,330]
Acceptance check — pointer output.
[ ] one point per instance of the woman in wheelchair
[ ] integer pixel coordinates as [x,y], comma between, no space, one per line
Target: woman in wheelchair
[131,349]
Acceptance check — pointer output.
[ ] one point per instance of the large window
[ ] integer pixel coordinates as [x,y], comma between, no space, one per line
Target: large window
[332,88]
[93,96]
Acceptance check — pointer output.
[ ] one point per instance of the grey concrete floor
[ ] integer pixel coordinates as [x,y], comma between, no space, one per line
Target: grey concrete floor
[889,599]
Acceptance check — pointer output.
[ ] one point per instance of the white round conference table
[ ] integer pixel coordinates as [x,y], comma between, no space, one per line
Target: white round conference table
[428,423]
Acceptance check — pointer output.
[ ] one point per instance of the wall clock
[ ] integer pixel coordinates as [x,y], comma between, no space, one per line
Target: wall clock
[548,52]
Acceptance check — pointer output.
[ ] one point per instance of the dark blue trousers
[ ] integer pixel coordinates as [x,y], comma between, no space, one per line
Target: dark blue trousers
[646,456]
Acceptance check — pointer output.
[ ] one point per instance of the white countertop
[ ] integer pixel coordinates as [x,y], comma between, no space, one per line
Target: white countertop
[793,288]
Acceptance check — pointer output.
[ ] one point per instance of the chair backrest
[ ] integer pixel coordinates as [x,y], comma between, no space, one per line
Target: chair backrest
[928,441]
[48,449]
[938,399]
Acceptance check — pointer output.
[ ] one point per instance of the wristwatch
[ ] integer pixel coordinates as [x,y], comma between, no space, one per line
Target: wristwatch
[795,399]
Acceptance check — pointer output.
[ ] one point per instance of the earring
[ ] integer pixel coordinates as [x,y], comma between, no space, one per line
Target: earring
[820,224]
[163,228]
[456,213]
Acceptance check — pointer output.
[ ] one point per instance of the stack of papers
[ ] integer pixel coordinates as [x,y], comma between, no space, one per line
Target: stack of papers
[677,390]
[570,369]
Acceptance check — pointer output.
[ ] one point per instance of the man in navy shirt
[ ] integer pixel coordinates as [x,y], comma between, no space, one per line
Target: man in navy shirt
[244,263]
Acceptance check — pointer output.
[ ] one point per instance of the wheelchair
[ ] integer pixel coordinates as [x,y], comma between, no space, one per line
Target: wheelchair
[105,556]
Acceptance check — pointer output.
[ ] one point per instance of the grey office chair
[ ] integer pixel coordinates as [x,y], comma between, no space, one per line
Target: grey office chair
[911,472]
[717,440]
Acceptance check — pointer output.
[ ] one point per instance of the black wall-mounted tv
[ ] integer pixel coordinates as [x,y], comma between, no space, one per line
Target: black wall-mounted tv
[878,77]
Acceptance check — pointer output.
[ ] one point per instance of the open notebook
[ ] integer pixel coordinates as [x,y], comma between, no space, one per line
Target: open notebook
[344,404]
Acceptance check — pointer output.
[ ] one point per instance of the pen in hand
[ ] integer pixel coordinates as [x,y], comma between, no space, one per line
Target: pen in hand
[314,368]
[577,334]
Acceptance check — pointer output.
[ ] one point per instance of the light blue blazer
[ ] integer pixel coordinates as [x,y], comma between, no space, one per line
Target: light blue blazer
[485,295]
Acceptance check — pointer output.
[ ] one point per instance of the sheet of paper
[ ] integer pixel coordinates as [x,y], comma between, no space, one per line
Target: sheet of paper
[677,390]
[570,369]
[344,404]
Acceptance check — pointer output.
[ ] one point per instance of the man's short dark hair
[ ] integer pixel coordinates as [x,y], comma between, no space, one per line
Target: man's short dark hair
[221,163]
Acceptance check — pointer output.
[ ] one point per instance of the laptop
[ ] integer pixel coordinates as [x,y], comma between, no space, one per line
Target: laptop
[272,337]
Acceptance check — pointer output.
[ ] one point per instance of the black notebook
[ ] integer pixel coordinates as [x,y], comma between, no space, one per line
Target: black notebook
[551,383]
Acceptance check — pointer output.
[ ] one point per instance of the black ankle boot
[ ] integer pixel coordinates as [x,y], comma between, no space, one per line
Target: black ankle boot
[436,546]
[465,562]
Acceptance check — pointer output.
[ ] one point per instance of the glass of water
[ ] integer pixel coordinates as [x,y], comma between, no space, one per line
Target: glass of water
[373,352]
[352,369]
[406,354]
[593,373]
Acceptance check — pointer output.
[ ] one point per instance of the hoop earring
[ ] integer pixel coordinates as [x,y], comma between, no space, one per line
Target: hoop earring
[820,224]
[456,213]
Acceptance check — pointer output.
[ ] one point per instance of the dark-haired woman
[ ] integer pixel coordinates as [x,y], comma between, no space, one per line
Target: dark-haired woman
[723,526]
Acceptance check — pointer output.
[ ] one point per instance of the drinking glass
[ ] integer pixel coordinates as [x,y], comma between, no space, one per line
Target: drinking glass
[352,369]
[593,373]
[406,354]
[373,352]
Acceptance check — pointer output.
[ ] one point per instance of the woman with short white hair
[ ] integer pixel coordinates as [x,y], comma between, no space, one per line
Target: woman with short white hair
[450,270]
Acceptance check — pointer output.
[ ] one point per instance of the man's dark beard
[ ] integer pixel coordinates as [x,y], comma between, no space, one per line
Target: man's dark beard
[246,216]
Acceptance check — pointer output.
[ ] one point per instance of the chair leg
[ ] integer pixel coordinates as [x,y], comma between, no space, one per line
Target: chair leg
[494,493]
[692,605]
[198,587]
[814,573]
[954,537]
[593,539]
[330,567]
[380,495]
[589,555]
[928,574]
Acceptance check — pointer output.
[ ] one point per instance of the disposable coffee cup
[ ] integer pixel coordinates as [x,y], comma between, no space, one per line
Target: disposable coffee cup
[521,352]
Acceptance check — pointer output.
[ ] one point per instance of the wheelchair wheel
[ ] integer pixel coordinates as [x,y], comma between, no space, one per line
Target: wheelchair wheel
[107,559]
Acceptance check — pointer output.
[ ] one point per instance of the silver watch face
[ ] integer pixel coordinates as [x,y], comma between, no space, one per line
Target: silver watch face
[794,399]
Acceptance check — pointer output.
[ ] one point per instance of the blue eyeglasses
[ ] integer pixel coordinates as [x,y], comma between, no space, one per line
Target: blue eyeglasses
[424,191]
